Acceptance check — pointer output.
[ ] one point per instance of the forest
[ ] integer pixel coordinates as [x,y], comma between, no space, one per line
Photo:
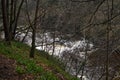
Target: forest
[60,40]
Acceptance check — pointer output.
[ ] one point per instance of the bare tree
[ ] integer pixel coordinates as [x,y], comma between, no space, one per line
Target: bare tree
[34,30]
[5,19]
[10,17]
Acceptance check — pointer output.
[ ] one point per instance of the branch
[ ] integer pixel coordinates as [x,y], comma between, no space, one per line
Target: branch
[90,25]
[97,8]
[81,1]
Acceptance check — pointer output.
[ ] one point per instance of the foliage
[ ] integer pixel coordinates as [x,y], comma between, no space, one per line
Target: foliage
[20,70]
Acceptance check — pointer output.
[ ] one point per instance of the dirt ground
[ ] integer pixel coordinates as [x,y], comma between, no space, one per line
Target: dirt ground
[7,70]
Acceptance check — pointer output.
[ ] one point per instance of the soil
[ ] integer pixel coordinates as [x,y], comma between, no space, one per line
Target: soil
[50,69]
[7,70]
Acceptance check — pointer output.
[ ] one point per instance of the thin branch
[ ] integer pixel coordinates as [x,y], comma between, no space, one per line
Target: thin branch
[83,1]
[102,23]
[97,8]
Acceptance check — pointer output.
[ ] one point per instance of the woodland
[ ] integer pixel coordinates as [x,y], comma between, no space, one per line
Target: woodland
[60,40]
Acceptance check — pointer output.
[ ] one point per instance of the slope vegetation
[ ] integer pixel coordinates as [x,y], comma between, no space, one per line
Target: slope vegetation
[15,64]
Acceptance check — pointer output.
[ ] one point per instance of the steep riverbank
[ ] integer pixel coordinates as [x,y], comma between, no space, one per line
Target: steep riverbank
[16,63]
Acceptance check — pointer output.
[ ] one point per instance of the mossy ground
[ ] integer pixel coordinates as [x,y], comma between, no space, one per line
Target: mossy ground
[42,67]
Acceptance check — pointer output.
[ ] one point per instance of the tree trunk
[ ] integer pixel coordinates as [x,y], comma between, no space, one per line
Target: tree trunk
[34,31]
[16,19]
[5,20]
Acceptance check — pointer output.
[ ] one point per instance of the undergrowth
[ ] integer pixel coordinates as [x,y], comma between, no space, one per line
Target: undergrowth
[20,52]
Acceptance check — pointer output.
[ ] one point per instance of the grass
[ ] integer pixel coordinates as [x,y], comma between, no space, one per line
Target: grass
[20,52]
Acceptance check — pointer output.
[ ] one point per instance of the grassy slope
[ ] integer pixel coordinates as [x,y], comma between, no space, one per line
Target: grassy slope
[41,67]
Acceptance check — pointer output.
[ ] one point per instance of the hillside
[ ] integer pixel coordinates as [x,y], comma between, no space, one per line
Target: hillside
[15,64]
